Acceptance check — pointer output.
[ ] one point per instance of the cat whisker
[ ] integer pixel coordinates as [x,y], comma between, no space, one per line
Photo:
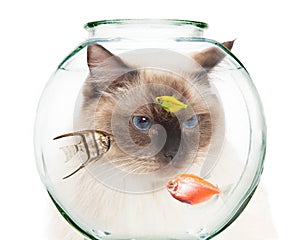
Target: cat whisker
[131,166]
[132,171]
[115,161]
[93,160]
[113,175]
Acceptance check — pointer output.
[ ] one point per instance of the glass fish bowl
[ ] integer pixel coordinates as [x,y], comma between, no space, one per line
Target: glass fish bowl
[149,130]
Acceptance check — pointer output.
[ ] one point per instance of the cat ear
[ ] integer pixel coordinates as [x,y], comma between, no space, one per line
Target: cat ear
[107,72]
[210,57]
[98,56]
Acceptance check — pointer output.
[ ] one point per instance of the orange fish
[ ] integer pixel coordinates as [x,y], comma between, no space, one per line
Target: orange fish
[191,189]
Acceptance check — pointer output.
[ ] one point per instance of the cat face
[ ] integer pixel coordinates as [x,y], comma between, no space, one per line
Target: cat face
[120,100]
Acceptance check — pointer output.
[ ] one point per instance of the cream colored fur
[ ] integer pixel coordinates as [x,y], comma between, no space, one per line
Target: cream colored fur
[153,214]
[255,223]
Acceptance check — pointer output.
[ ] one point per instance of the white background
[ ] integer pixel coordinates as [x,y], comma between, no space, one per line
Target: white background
[37,35]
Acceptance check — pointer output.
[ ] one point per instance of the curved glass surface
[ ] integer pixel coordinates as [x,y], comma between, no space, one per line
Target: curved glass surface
[107,149]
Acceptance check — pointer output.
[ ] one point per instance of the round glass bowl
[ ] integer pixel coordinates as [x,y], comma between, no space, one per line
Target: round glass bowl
[133,107]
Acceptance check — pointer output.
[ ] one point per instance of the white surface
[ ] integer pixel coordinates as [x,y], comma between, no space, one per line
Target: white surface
[37,35]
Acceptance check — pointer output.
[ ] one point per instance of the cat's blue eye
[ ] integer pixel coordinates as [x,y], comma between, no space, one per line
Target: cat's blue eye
[191,122]
[142,123]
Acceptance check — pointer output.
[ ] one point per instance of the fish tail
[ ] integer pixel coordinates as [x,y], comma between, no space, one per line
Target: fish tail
[70,151]
[225,191]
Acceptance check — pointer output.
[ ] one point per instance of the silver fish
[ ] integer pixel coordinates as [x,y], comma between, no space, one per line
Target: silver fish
[93,143]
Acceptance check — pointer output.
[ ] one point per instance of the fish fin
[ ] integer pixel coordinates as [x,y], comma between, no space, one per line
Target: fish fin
[71,174]
[177,96]
[88,161]
[187,202]
[165,108]
[64,135]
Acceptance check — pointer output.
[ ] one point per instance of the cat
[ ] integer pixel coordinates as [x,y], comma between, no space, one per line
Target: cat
[149,143]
